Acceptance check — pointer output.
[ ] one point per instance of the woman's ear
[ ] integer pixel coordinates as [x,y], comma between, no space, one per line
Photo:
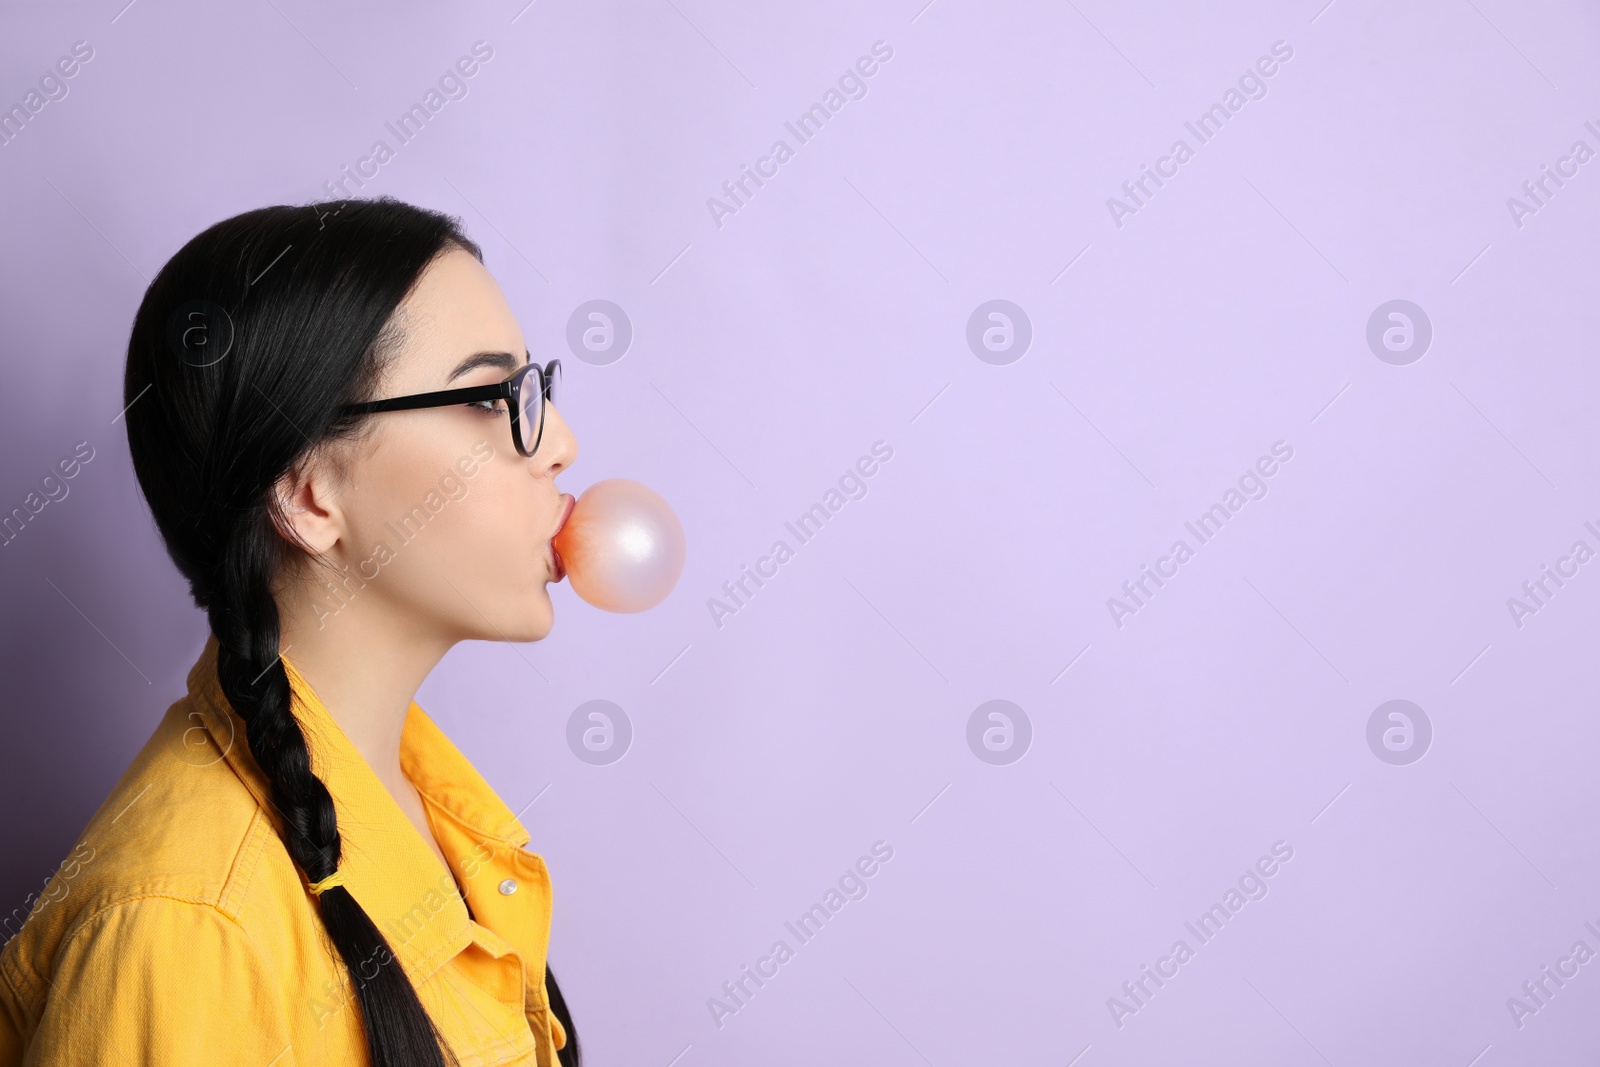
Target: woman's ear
[307,510]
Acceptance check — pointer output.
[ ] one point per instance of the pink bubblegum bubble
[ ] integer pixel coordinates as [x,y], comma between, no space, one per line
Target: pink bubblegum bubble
[622,546]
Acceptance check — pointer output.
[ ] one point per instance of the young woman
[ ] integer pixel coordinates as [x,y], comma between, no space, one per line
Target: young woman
[350,456]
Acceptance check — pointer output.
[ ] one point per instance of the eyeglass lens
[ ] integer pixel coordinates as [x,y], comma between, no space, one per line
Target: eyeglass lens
[530,400]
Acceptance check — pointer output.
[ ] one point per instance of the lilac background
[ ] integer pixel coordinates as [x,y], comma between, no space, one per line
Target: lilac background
[830,312]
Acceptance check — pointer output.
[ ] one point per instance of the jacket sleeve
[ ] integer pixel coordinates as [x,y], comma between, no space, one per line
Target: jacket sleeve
[158,980]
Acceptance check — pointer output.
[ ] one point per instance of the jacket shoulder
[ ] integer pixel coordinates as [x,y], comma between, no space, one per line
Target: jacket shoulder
[179,824]
[150,980]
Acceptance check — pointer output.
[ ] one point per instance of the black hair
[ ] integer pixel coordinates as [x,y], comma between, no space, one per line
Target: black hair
[242,351]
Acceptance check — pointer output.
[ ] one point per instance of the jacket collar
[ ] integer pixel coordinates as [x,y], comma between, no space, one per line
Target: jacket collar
[387,866]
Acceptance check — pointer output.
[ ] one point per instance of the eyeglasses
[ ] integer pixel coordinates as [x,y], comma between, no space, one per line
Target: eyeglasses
[525,392]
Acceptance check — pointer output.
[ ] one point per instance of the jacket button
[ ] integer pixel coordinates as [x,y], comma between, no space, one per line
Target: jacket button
[508,886]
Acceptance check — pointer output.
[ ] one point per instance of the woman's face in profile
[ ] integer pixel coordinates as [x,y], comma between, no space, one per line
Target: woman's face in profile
[441,519]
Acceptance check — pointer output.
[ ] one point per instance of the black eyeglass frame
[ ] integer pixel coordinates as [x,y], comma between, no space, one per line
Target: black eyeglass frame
[509,390]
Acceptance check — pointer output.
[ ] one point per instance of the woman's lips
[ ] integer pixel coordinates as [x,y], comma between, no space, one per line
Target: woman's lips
[557,567]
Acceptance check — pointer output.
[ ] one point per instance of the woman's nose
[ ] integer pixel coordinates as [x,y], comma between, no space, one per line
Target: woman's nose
[557,446]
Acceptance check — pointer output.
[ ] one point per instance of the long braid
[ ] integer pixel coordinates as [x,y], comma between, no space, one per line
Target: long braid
[568,1054]
[244,617]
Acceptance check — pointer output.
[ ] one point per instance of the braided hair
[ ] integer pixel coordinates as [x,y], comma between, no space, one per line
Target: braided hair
[247,343]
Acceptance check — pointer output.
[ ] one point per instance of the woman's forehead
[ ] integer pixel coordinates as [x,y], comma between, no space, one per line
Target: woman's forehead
[456,311]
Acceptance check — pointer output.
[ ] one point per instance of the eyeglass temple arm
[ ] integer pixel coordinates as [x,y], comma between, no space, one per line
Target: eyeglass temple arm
[438,398]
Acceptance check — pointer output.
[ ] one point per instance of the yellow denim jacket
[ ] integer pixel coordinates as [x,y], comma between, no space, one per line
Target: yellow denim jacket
[180,933]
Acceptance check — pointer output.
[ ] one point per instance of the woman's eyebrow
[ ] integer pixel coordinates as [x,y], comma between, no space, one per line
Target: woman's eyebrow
[503,360]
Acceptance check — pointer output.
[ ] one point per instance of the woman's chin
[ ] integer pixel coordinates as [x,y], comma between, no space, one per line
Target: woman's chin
[536,628]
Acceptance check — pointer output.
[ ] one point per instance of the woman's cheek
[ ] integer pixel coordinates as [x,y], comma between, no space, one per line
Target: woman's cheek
[499,535]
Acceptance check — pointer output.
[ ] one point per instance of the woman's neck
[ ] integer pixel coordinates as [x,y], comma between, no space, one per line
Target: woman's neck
[365,663]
